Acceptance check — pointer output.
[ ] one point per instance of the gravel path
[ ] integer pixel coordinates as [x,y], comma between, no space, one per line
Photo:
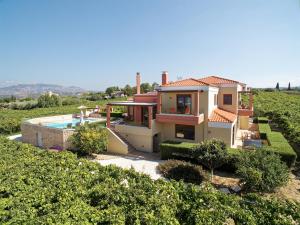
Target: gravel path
[140,165]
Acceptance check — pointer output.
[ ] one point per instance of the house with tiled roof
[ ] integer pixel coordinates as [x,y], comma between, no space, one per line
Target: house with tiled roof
[191,110]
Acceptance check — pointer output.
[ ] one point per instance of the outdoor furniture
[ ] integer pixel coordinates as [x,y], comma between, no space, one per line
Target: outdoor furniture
[187,110]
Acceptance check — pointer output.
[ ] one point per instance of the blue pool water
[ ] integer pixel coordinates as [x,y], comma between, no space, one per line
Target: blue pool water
[64,124]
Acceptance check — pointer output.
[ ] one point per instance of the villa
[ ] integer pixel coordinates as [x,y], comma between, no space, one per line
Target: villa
[190,110]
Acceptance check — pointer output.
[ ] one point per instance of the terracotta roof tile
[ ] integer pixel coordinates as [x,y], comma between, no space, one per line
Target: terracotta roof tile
[218,80]
[186,82]
[222,116]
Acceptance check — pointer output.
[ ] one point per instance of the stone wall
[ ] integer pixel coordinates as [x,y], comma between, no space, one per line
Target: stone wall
[46,137]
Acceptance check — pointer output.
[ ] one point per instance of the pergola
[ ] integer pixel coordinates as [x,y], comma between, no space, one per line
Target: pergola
[137,111]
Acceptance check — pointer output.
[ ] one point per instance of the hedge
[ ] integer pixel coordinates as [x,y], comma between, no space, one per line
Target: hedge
[263,130]
[185,151]
[113,114]
[278,144]
[177,150]
[261,120]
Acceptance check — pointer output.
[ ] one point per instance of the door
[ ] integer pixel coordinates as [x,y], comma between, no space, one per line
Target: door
[156,142]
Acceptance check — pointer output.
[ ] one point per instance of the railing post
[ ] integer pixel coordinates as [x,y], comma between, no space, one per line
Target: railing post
[108,108]
[158,102]
[150,113]
[251,101]
[196,110]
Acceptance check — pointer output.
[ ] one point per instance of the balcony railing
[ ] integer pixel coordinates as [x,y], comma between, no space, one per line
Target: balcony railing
[245,111]
[185,119]
[173,110]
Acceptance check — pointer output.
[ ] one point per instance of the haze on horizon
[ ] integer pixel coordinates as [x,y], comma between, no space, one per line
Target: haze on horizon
[94,44]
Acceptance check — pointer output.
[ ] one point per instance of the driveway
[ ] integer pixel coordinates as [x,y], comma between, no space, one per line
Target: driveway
[142,165]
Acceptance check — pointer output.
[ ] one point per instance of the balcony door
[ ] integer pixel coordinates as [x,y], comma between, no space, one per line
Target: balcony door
[184,104]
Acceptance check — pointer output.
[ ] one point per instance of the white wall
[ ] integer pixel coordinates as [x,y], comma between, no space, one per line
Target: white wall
[211,93]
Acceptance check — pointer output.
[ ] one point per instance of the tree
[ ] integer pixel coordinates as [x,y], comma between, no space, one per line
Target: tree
[212,154]
[289,87]
[110,90]
[49,100]
[128,90]
[154,85]
[262,170]
[277,86]
[145,87]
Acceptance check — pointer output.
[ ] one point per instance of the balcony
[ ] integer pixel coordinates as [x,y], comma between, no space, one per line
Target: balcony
[245,108]
[184,119]
[247,111]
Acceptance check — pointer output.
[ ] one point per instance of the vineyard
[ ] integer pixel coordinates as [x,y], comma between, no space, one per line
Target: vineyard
[41,187]
[284,111]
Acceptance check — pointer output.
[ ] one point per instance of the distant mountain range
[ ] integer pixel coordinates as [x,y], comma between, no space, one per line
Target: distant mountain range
[34,90]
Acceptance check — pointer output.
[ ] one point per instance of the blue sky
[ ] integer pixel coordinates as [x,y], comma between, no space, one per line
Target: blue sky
[95,44]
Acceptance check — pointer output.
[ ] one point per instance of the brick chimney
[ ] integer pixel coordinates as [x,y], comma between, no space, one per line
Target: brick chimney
[164,78]
[138,83]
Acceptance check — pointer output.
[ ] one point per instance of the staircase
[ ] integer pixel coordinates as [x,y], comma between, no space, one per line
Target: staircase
[131,148]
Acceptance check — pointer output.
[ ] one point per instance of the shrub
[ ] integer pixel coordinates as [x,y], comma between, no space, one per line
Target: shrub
[262,170]
[70,101]
[181,170]
[212,154]
[47,100]
[113,114]
[90,140]
[232,159]
[177,150]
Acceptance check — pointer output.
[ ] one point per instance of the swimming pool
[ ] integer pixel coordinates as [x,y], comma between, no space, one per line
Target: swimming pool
[74,121]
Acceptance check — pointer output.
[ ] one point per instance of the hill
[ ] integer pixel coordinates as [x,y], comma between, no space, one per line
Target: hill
[33,90]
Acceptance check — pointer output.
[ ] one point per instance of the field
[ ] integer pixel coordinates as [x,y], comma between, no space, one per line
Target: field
[10,119]
[41,187]
[283,109]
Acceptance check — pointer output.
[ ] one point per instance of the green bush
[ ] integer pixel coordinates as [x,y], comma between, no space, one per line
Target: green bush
[262,170]
[232,159]
[181,170]
[41,187]
[70,101]
[87,140]
[113,114]
[47,100]
[177,150]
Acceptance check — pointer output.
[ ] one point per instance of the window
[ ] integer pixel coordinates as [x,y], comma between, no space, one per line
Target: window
[227,99]
[215,99]
[185,132]
[184,104]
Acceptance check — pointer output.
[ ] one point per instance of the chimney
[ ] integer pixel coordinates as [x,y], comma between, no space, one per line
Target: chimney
[138,83]
[164,78]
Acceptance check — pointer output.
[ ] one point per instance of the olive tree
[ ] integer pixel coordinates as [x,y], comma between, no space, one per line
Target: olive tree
[212,154]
